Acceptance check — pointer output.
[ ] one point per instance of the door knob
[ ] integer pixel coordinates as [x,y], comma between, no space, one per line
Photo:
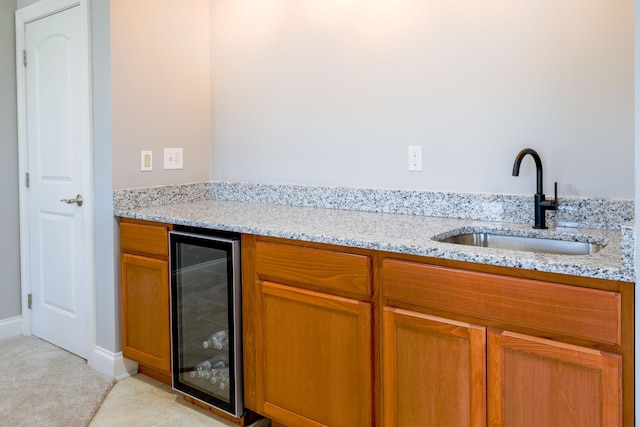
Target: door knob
[77,200]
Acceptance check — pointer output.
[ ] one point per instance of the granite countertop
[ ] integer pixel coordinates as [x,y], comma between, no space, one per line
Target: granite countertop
[401,233]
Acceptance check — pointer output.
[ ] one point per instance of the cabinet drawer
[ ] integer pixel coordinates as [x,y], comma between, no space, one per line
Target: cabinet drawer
[319,268]
[144,238]
[548,307]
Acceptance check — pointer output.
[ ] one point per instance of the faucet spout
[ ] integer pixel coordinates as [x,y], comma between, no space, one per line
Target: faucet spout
[540,204]
[536,158]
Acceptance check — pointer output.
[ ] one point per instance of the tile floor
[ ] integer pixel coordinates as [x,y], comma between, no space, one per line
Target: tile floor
[144,402]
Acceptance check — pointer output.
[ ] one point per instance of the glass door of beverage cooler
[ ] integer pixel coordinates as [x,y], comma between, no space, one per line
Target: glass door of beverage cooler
[205,319]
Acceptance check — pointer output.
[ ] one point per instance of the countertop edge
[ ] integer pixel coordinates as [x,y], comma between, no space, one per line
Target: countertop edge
[543,263]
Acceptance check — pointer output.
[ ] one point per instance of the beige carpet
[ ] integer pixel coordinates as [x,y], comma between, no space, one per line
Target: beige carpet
[43,385]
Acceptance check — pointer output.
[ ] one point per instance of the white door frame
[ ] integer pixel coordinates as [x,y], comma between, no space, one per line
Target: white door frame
[25,15]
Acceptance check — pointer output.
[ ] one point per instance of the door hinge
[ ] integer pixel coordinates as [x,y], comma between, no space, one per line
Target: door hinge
[29,300]
[26,179]
[24,57]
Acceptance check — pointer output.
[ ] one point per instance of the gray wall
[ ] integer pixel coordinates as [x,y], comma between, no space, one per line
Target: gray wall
[25,3]
[107,293]
[10,299]
[333,93]
[160,89]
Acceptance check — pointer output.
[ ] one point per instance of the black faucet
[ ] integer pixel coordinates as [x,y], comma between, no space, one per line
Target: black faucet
[540,204]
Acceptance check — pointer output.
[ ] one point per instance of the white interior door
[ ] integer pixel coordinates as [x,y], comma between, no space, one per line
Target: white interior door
[59,166]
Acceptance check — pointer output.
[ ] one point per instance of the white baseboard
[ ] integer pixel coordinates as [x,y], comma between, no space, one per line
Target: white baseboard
[112,364]
[11,327]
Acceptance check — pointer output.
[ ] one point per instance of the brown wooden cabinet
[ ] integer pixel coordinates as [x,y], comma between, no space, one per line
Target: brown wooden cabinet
[311,322]
[433,371]
[531,380]
[538,382]
[315,354]
[144,293]
[339,336]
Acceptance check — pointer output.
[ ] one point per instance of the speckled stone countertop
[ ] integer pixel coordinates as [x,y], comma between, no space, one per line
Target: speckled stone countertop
[395,232]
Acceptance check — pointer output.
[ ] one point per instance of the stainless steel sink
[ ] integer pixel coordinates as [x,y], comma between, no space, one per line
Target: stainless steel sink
[524,243]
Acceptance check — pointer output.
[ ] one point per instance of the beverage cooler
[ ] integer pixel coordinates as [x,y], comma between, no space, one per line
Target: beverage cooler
[206,317]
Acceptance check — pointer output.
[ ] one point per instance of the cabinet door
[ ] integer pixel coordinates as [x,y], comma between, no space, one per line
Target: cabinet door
[314,358]
[537,382]
[433,371]
[144,289]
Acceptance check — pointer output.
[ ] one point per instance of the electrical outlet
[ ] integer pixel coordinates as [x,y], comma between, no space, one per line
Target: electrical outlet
[146,161]
[415,157]
[173,158]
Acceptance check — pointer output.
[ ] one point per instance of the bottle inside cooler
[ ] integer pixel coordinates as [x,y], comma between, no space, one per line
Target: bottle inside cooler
[219,340]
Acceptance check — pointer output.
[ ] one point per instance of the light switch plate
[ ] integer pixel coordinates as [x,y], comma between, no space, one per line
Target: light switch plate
[173,158]
[146,161]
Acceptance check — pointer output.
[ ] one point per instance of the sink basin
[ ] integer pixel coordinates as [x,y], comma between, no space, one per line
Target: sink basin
[524,243]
